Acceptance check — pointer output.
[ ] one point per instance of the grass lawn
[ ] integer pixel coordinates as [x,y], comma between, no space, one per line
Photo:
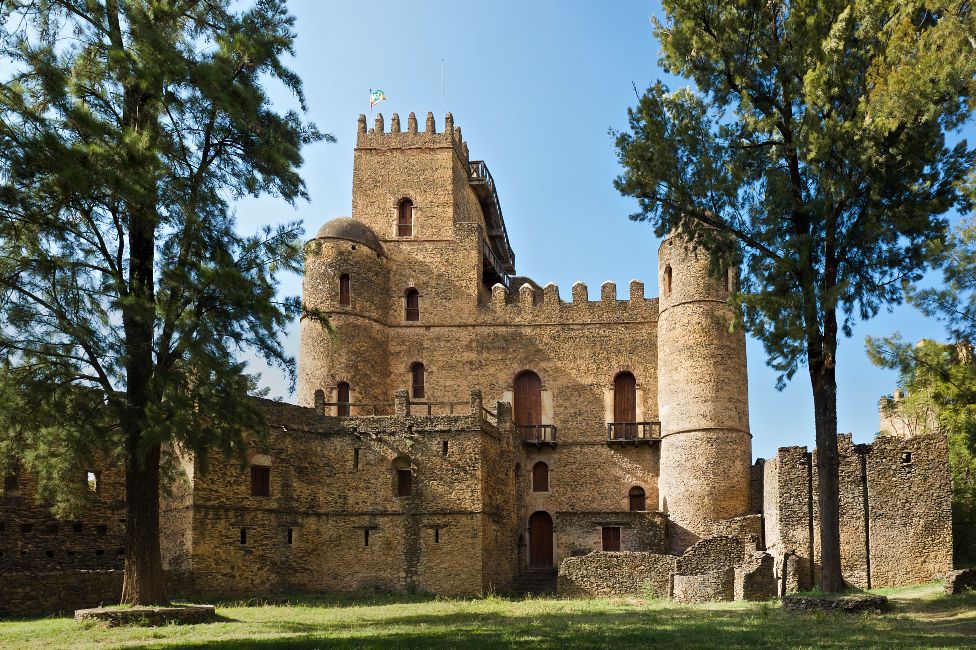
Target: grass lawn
[922,617]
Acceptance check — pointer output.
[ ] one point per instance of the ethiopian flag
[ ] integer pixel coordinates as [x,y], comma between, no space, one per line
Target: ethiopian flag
[375,97]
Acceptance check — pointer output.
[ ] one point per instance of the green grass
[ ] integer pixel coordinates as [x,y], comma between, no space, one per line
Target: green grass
[921,617]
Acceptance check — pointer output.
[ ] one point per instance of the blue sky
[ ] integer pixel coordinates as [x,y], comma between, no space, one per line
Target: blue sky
[535,87]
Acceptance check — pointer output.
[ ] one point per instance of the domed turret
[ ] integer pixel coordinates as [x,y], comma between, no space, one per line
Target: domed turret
[347,278]
[706,447]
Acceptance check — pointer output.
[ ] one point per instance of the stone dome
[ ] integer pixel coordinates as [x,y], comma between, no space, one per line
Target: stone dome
[348,228]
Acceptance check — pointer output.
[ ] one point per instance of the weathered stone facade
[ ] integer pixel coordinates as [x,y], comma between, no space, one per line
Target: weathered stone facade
[463,425]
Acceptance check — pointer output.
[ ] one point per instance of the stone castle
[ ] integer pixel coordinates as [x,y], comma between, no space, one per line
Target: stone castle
[464,429]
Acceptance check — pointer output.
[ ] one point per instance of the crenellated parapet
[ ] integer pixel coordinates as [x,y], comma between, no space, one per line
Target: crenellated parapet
[526,302]
[378,137]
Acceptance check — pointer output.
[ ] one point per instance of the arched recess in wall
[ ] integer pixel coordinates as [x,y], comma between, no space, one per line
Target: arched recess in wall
[417,380]
[344,296]
[667,280]
[405,218]
[528,399]
[540,477]
[638,499]
[411,305]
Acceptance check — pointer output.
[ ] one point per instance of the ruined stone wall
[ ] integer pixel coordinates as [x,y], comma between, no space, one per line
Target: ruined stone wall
[33,539]
[902,537]
[602,575]
[46,592]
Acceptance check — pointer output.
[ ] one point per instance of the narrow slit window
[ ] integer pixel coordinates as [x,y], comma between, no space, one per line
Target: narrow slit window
[344,289]
[417,372]
[342,399]
[365,536]
[444,448]
[728,279]
[667,280]
[412,311]
[291,536]
[405,218]
[243,535]
[437,535]
[355,458]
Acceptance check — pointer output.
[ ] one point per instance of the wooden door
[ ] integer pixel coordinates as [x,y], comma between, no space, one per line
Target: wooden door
[611,538]
[540,541]
[528,398]
[625,404]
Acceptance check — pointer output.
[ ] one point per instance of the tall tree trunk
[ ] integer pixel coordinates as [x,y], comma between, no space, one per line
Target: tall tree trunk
[824,381]
[144,582]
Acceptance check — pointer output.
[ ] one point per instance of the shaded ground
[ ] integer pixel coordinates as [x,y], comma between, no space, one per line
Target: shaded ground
[922,617]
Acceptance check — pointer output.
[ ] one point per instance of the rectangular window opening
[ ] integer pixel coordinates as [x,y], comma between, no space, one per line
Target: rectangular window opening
[260,481]
[365,536]
[437,535]
[611,538]
[243,535]
[291,536]
[355,458]
[444,448]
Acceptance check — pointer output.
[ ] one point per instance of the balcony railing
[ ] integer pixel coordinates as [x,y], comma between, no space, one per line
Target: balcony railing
[633,431]
[439,408]
[544,434]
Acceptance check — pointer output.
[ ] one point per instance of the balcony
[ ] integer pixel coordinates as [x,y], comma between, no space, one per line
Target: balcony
[537,434]
[633,432]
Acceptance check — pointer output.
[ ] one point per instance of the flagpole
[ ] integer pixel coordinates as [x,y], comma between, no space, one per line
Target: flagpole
[370,106]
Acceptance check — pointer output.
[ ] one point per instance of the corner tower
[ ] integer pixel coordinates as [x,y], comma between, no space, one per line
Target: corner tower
[706,447]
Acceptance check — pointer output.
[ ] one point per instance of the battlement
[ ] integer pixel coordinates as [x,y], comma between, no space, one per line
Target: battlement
[527,301]
[378,137]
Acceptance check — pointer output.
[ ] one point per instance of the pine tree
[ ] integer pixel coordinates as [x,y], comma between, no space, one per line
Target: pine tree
[813,145]
[127,130]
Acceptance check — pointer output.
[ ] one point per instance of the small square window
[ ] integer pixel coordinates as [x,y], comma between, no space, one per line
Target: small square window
[906,457]
[260,481]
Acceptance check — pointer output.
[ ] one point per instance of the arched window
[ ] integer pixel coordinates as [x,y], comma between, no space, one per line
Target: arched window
[638,500]
[342,397]
[667,280]
[344,289]
[412,312]
[405,218]
[404,477]
[417,380]
[728,279]
[625,405]
[540,477]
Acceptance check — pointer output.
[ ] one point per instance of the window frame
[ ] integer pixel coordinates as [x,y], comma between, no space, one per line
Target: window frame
[345,290]
[343,405]
[404,225]
[411,314]
[418,371]
[540,476]
[637,492]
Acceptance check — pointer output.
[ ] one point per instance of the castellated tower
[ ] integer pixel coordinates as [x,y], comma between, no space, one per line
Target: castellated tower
[706,447]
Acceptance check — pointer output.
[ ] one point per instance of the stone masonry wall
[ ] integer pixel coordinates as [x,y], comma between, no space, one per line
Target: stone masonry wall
[601,575]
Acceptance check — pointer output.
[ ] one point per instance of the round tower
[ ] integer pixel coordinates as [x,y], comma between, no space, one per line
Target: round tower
[346,278]
[706,447]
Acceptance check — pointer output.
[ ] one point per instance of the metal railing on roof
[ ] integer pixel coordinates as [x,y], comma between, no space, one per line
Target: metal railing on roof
[478,174]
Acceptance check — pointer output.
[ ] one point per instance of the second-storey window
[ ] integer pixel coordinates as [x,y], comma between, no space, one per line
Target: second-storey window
[412,311]
[260,481]
[405,218]
[417,380]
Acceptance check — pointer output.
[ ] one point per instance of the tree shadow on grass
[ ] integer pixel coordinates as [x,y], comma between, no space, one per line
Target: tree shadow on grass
[685,627]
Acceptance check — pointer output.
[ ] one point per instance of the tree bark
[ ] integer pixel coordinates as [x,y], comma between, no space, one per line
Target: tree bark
[824,381]
[144,582]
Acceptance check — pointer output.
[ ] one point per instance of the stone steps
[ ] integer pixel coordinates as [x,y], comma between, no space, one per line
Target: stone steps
[536,583]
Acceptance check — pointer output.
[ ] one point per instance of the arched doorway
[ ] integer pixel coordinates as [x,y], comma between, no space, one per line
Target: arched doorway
[625,404]
[528,398]
[540,540]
